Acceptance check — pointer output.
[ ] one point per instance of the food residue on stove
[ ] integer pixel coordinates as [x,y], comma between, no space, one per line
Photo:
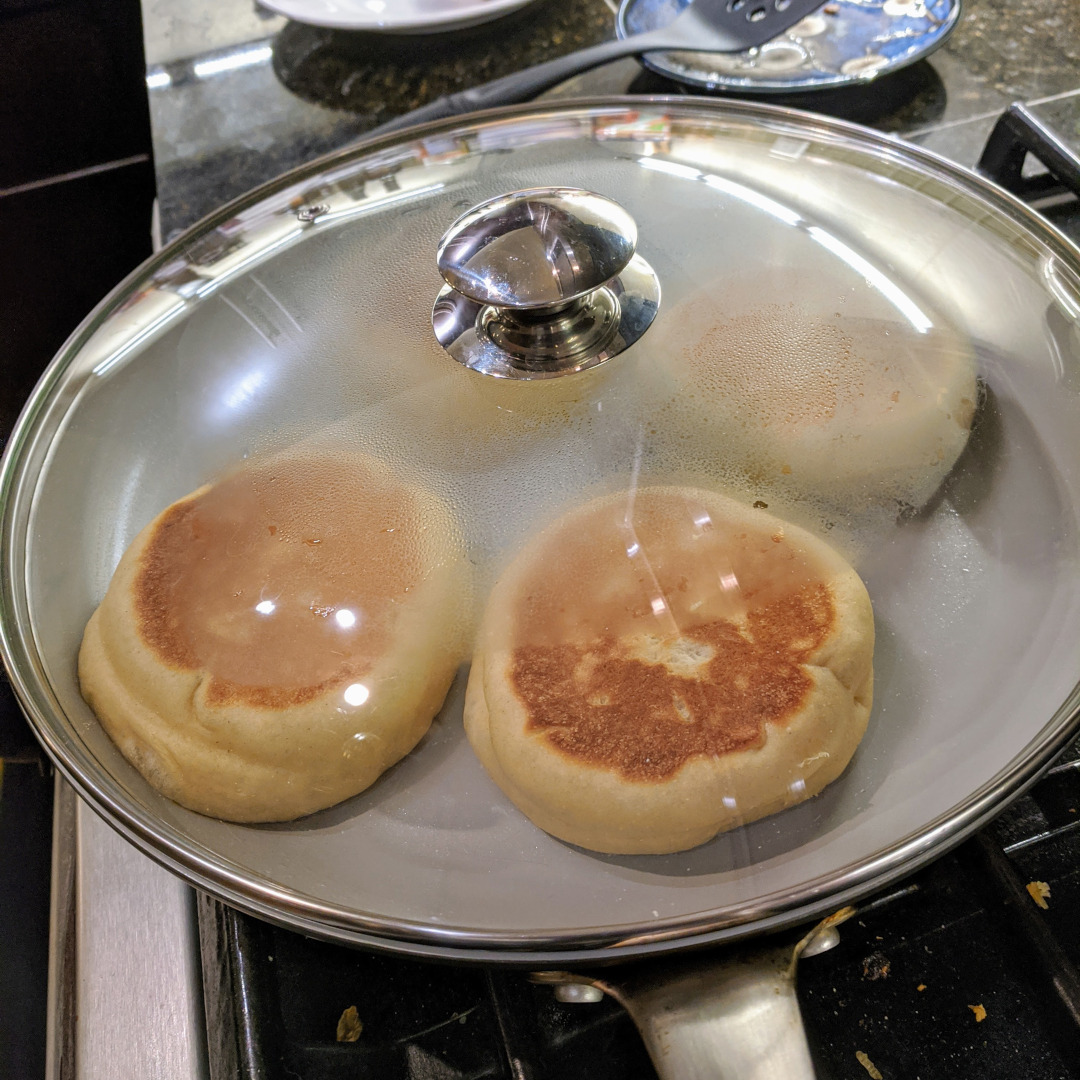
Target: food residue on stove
[980,1013]
[864,1060]
[349,1026]
[876,966]
[1040,893]
[921,986]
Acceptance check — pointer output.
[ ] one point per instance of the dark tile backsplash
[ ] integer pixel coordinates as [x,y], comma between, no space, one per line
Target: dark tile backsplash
[72,90]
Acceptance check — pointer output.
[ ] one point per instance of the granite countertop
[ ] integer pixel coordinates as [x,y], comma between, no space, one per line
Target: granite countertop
[239,95]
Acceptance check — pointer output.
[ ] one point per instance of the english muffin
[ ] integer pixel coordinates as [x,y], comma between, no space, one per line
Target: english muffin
[832,398]
[271,643]
[658,666]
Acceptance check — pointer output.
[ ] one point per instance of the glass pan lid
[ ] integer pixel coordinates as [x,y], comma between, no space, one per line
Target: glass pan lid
[300,317]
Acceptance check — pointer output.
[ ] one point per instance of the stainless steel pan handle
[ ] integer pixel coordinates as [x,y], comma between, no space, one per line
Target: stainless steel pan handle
[727,1015]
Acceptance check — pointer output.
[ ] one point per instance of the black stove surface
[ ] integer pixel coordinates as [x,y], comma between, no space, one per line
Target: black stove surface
[955,972]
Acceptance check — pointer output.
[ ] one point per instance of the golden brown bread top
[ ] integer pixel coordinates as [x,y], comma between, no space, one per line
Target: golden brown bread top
[643,641]
[280,580]
[603,705]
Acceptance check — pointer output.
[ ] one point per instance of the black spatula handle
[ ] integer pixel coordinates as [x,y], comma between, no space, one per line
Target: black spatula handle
[725,26]
[520,86]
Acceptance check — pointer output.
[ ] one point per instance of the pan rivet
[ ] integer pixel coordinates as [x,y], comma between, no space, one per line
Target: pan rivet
[308,214]
[578,994]
[825,939]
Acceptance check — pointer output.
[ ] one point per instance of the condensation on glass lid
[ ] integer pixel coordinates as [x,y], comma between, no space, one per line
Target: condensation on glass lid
[853,395]
[972,692]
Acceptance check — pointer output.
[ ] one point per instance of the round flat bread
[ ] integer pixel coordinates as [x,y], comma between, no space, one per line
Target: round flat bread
[658,666]
[845,404]
[270,644]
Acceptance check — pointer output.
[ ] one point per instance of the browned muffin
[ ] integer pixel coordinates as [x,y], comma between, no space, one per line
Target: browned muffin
[270,644]
[657,667]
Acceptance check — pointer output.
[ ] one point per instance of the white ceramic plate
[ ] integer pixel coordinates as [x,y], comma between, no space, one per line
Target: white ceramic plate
[394,16]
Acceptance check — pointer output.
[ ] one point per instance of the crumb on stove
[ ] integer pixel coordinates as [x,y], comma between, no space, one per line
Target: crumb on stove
[349,1026]
[876,966]
[868,1065]
[1040,893]
[980,1013]
[921,986]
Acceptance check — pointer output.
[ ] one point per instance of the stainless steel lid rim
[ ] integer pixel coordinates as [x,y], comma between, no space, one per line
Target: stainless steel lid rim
[29,445]
[815,899]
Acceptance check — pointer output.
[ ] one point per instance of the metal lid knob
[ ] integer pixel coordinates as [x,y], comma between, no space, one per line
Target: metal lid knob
[536,248]
[541,283]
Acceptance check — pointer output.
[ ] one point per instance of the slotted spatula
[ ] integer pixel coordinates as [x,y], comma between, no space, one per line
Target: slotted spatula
[704,26]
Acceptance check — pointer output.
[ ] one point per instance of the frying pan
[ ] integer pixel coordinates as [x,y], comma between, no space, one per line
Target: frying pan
[304,308]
